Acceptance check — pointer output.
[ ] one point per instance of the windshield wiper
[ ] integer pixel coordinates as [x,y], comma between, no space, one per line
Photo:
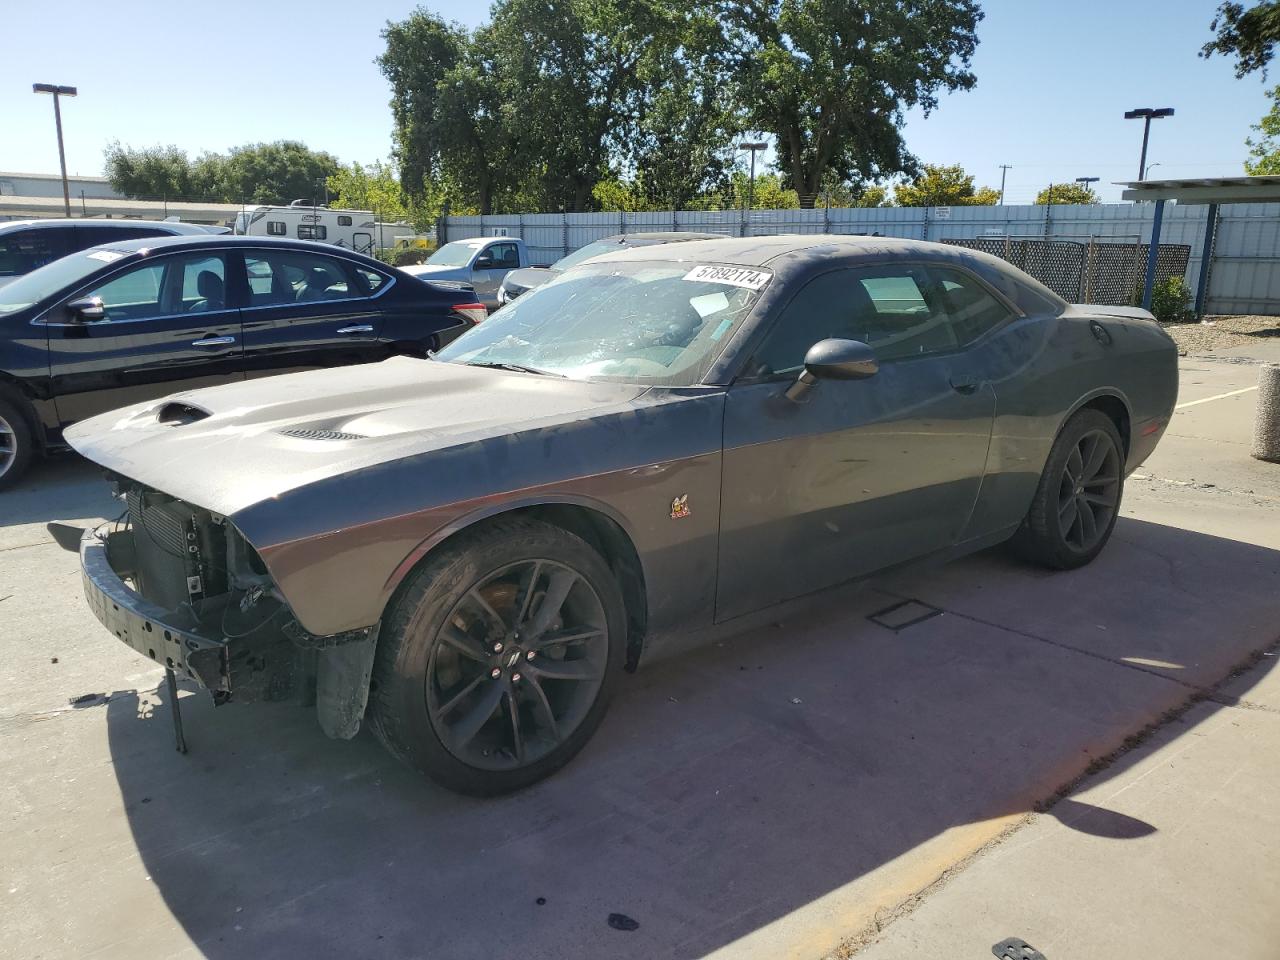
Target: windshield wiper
[517,367]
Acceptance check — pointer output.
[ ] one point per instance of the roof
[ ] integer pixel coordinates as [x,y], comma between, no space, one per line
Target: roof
[211,240]
[758,251]
[668,236]
[177,227]
[1206,190]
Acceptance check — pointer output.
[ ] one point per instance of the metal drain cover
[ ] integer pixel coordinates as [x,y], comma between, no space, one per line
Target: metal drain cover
[905,614]
[1015,949]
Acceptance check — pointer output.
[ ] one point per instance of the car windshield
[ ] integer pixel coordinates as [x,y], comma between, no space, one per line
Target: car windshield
[456,254]
[587,252]
[656,322]
[53,277]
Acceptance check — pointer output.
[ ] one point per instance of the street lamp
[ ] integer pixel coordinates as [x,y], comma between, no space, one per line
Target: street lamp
[58,91]
[1146,114]
[751,186]
[1149,166]
[1085,181]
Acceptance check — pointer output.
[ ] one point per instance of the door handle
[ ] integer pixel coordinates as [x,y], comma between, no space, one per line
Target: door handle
[213,342]
[965,387]
[357,328]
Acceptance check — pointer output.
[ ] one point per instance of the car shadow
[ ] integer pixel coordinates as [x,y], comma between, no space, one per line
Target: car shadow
[793,762]
[63,486]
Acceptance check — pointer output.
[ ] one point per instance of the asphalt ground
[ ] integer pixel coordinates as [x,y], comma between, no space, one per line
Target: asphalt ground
[811,785]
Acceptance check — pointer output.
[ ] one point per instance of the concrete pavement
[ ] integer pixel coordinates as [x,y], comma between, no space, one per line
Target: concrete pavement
[782,792]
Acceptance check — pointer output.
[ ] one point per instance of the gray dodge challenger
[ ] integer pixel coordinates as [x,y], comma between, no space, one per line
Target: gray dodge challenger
[467,551]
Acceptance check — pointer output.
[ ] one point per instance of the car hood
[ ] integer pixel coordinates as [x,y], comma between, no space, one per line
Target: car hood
[426,271]
[226,448]
[526,278]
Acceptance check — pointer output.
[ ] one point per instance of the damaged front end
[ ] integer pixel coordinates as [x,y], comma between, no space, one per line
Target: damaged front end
[182,586]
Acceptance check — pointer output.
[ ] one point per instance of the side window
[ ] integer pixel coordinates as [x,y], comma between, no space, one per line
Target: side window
[203,284]
[90,235]
[133,295]
[972,310]
[902,314]
[312,231]
[343,220]
[819,311]
[276,228]
[372,279]
[24,250]
[894,309]
[506,256]
[286,277]
[176,285]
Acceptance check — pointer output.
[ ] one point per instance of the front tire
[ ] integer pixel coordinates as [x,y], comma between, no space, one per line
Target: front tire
[1078,499]
[17,442]
[498,657]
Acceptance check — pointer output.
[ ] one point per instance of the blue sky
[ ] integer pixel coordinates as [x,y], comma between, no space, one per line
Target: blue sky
[1053,82]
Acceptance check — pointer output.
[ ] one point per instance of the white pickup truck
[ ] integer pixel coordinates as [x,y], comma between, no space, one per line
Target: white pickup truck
[480,261]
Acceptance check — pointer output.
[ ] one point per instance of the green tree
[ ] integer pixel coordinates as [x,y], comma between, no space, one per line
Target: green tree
[1248,35]
[944,186]
[257,173]
[830,79]
[1068,193]
[375,188]
[1264,152]
[152,172]
[872,195]
[278,172]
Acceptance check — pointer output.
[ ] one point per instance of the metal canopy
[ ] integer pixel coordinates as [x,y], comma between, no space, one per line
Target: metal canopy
[1211,190]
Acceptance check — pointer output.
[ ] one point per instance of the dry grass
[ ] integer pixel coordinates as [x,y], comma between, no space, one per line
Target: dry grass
[1221,332]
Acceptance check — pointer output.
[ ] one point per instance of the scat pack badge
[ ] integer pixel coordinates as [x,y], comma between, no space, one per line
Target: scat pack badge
[680,507]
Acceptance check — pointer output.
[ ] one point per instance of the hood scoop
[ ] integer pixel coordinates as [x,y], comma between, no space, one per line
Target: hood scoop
[176,414]
[308,433]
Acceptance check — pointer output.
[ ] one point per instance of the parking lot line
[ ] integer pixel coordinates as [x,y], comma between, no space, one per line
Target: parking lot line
[1220,396]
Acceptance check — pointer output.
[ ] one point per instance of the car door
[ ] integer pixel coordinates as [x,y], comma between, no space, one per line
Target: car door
[863,474]
[494,263]
[307,310]
[166,326]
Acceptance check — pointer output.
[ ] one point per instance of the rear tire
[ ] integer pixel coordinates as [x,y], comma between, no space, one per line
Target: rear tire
[17,442]
[498,657]
[1078,498]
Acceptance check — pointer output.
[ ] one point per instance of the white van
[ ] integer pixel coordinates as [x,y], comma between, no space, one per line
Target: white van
[355,230]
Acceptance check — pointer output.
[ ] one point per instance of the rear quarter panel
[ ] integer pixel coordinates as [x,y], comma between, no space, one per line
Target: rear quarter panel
[1044,369]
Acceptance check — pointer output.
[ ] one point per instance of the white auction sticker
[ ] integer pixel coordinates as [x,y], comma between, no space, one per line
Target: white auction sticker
[733,276]
[107,256]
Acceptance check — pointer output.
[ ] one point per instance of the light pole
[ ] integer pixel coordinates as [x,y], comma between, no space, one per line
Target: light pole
[1085,181]
[751,185]
[1149,166]
[1004,169]
[59,91]
[1146,114]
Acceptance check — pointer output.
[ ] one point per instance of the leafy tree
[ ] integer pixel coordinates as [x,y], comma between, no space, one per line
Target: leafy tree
[1264,152]
[872,195]
[1068,193]
[258,173]
[152,172]
[1248,35]
[944,186]
[830,79]
[376,188]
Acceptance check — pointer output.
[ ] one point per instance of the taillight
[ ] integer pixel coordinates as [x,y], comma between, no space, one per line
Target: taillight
[472,312]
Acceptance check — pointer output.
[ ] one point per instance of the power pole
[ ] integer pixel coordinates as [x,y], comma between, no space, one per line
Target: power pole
[1004,169]
[59,90]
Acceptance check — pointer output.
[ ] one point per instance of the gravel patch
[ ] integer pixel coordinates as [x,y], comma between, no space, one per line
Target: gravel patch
[1220,332]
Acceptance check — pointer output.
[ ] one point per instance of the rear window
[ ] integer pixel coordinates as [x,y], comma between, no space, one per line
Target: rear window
[22,251]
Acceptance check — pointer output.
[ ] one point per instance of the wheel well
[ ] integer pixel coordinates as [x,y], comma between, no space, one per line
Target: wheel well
[14,391]
[608,539]
[1114,408]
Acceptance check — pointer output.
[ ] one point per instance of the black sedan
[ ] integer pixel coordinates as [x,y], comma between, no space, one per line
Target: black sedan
[134,320]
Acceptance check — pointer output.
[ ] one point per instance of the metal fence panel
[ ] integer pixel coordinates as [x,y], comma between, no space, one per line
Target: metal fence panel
[1245,274]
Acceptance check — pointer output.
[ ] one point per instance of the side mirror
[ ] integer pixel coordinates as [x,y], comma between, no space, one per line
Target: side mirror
[86,310]
[484,263]
[833,360]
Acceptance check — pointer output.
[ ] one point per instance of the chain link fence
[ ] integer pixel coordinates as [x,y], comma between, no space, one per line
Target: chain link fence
[1086,270]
